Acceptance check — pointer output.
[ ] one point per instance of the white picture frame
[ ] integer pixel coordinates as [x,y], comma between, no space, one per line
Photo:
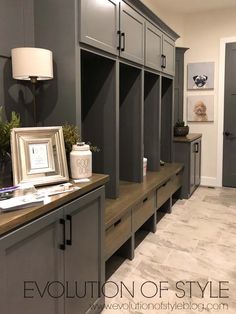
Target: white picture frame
[38,156]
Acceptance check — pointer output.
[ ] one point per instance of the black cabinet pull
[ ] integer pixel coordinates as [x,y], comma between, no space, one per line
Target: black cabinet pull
[117,222]
[63,245]
[69,218]
[123,36]
[119,33]
[196,148]
[145,200]
[163,62]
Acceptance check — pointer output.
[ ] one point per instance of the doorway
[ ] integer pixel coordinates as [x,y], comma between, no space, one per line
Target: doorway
[229,139]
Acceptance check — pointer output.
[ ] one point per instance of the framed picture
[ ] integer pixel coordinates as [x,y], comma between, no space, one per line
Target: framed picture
[201,75]
[38,156]
[200,108]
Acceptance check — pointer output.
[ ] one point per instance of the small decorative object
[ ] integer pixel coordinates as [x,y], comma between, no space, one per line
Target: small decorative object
[201,75]
[81,161]
[201,108]
[144,166]
[39,156]
[180,129]
[5,157]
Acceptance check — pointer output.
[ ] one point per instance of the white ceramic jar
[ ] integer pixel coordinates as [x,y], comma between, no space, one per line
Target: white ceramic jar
[81,161]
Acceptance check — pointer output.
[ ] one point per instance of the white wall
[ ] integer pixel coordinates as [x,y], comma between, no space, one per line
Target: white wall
[202,33]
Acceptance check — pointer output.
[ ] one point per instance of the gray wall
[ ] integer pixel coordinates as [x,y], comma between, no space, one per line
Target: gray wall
[16,30]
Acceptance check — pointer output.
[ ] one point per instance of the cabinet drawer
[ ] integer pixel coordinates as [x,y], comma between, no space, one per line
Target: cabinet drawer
[164,193]
[117,234]
[176,181]
[143,211]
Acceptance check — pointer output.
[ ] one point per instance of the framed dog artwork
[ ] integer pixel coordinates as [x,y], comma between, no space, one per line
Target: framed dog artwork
[201,75]
[200,108]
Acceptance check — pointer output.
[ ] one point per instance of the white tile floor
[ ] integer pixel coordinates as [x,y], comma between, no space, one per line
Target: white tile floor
[197,242]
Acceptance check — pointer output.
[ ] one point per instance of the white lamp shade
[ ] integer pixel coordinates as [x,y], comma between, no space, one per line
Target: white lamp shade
[32,62]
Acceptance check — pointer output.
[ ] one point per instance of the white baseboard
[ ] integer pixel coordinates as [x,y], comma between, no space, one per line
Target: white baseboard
[209,181]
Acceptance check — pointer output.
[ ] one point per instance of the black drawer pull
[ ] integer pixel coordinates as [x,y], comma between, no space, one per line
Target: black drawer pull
[117,223]
[145,200]
[119,33]
[123,36]
[69,241]
[63,245]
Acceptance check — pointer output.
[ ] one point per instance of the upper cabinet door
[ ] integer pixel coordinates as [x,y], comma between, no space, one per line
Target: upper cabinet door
[99,24]
[168,55]
[132,27]
[153,50]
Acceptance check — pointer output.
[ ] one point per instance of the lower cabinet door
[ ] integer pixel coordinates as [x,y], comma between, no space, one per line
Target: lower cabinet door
[84,260]
[31,264]
[192,168]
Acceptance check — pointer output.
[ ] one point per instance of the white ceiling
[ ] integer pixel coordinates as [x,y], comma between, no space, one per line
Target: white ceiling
[192,6]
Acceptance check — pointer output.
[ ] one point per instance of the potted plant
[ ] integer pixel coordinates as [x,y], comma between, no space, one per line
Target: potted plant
[180,129]
[5,149]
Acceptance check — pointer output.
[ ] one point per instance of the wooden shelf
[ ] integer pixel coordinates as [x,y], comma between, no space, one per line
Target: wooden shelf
[132,193]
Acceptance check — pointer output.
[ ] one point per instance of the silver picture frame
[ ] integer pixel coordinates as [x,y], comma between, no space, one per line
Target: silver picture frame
[38,156]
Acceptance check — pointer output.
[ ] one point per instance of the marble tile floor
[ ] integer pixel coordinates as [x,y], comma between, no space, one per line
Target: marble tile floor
[196,243]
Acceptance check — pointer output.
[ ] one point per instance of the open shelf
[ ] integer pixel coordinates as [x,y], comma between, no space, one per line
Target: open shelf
[99,115]
[166,119]
[131,133]
[152,120]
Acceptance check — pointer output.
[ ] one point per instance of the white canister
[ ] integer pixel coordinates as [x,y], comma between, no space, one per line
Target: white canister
[81,161]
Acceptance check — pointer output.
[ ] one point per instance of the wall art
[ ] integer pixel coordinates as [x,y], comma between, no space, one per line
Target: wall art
[200,108]
[201,75]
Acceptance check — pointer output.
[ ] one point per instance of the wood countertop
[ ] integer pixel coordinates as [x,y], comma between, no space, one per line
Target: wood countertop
[12,220]
[132,193]
[189,138]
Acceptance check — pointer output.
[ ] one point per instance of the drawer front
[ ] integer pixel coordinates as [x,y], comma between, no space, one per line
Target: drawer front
[143,211]
[164,193]
[176,181]
[117,234]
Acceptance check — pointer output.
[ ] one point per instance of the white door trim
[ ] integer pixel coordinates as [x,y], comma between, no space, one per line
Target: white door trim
[221,95]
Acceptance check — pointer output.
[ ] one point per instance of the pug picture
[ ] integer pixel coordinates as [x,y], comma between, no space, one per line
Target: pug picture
[200,81]
[201,75]
[200,108]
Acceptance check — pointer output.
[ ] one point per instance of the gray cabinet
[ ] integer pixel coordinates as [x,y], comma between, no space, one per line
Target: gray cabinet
[84,260]
[168,57]
[132,31]
[30,260]
[44,263]
[188,151]
[159,50]
[153,47]
[99,24]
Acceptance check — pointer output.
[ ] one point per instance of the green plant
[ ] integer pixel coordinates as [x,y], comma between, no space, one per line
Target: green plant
[72,136]
[5,132]
[179,124]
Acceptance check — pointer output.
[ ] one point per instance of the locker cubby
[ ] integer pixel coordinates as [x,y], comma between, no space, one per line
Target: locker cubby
[99,115]
[131,123]
[152,120]
[166,119]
